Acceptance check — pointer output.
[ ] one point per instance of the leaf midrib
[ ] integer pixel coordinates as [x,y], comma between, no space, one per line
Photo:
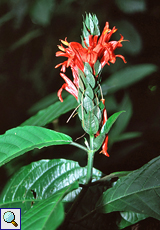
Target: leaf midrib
[130,194]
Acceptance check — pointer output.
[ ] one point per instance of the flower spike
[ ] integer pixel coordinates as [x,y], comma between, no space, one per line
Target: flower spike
[86,61]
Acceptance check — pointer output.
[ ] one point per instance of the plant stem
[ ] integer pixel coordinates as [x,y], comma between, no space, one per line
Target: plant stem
[88,178]
[79,146]
[90,161]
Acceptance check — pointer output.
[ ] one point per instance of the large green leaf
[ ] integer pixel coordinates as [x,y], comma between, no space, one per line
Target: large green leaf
[138,192]
[47,214]
[19,140]
[47,101]
[126,77]
[47,115]
[39,180]
[94,220]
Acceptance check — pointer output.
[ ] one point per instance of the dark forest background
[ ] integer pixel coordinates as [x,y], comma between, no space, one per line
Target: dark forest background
[29,34]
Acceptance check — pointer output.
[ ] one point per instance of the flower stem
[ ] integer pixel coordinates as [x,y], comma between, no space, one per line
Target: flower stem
[90,161]
[79,146]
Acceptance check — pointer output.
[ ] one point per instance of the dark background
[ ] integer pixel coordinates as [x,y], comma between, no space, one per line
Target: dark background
[29,35]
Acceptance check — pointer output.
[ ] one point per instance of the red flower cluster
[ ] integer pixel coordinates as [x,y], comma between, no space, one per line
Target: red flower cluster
[102,50]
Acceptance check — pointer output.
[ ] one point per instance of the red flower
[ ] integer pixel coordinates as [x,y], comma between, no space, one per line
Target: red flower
[75,62]
[102,50]
[68,86]
[105,142]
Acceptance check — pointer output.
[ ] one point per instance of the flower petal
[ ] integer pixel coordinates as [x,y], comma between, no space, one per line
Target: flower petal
[68,86]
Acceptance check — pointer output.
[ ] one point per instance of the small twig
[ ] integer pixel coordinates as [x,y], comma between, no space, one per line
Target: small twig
[110,176]
[83,217]
[100,90]
[73,113]
[80,137]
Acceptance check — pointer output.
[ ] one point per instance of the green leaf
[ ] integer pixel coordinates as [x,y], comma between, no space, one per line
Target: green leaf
[127,76]
[131,6]
[87,68]
[89,76]
[40,180]
[96,25]
[26,38]
[49,114]
[91,24]
[41,11]
[88,104]
[90,27]
[45,102]
[105,129]
[98,141]
[108,124]
[90,79]
[19,140]
[47,214]
[129,218]
[90,123]
[122,122]
[86,34]
[6,17]
[138,192]
[81,112]
[82,77]
[127,136]
[97,67]
[134,44]
[89,92]
[95,221]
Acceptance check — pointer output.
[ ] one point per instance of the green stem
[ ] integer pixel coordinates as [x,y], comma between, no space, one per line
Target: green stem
[79,146]
[88,178]
[90,161]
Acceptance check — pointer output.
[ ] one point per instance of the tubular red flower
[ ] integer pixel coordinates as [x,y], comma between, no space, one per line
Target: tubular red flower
[68,86]
[102,50]
[105,142]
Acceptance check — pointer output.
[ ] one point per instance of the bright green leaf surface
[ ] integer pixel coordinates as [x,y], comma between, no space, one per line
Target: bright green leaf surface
[138,192]
[127,76]
[45,178]
[19,140]
[107,126]
[105,129]
[47,115]
[47,214]
[90,123]
[129,218]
